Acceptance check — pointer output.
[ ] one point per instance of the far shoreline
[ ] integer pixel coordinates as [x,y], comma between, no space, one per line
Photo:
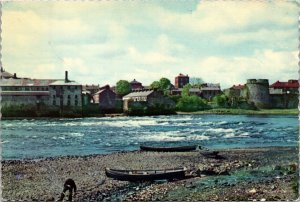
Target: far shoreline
[219,111]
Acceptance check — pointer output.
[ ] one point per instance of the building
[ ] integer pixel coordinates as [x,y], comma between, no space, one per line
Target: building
[5,75]
[209,90]
[39,96]
[135,85]
[65,93]
[181,80]
[92,89]
[106,99]
[284,94]
[148,101]
[258,92]
[192,91]
[289,87]
[234,91]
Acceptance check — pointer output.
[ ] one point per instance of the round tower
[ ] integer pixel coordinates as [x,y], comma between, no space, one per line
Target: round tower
[258,92]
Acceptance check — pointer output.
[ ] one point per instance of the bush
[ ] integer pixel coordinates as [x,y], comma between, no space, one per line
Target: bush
[18,111]
[142,109]
[221,100]
[191,104]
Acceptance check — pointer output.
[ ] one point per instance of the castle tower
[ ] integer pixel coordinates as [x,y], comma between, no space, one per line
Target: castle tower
[258,92]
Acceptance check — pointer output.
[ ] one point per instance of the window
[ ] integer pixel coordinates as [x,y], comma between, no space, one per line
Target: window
[69,100]
[54,102]
[76,100]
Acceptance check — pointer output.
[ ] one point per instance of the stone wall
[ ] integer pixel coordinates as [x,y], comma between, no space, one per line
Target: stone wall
[284,101]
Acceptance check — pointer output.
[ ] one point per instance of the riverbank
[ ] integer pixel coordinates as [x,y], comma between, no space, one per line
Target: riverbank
[246,111]
[209,111]
[42,180]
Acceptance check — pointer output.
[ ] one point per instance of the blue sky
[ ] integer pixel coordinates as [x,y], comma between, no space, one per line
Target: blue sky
[102,42]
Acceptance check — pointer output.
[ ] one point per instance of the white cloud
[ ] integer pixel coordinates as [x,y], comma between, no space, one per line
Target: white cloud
[216,16]
[265,64]
[102,42]
[150,58]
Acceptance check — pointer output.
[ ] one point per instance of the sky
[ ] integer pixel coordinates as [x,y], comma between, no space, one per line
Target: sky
[102,42]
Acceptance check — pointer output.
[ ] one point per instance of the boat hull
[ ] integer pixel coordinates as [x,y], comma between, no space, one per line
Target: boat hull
[169,149]
[145,175]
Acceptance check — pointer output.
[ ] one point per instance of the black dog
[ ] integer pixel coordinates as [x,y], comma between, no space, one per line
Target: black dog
[68,186]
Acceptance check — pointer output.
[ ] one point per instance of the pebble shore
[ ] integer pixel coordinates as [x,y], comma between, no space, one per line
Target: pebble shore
[43,179]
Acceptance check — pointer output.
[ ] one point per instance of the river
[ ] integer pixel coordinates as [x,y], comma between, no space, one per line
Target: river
[39,138]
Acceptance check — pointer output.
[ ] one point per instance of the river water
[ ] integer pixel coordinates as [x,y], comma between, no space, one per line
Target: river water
[32,138]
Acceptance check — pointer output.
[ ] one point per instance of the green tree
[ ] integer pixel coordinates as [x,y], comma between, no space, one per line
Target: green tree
[190,104]
[155,85]
[220,100]
[123,87]
[165,85]
[186,90]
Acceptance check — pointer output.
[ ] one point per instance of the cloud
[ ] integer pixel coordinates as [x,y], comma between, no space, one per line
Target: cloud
[266,64]
[149,58]
[103,42]
[212,16]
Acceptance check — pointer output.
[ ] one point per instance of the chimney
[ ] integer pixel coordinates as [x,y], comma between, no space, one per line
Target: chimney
[15,75]
[66,77]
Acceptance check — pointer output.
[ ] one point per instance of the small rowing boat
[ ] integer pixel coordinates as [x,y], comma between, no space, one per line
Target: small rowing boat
[145,175]
[169,149]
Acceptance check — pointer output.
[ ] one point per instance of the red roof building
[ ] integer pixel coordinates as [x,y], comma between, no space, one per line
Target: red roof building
[181,80]
[291,86]
[238,87]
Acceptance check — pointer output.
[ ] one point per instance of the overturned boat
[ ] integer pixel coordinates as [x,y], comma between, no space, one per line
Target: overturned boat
[146,175]
[169,149]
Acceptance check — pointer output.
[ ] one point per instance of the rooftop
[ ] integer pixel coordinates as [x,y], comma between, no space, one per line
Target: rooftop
[62,82]
[289,84]
[135,82]
[26,82]
[182,75]
[138,94]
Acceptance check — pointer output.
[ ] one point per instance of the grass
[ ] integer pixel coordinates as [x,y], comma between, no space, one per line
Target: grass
[246,112]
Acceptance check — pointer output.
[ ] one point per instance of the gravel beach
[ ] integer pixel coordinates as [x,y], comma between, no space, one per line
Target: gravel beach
[256,174]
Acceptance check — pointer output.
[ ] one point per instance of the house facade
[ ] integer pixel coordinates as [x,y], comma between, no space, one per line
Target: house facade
[181,80]
[40,95]
[152,102]
[209,90]
[234,91]
[105,98]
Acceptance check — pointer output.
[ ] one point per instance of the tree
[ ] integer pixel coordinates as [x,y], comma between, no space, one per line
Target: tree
[220,100]
[164,84]
[155,85]
[123,87]
[196,81]
[191,103]
[186,90]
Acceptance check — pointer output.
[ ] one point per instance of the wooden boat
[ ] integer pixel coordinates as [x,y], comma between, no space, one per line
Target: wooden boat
[145,175]
[169,149]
